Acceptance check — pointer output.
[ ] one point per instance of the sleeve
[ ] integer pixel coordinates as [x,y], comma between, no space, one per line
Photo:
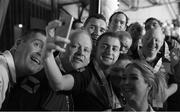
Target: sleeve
[81,80]
[4,81]
[177,73]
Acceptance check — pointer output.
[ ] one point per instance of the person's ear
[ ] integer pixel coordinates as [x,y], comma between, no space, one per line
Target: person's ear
[18,42]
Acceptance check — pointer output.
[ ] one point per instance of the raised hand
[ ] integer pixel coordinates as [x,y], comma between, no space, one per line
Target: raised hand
[54,42]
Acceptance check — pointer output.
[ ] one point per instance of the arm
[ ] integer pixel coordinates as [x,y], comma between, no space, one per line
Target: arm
[54,75]
[171,90]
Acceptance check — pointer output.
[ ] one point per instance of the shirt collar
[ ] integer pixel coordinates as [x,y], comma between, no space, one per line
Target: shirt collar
[157,64]
[10,62]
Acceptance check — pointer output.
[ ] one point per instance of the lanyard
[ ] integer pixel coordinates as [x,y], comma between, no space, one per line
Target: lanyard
[106,85]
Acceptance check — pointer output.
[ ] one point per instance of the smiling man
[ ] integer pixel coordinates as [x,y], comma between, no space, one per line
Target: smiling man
[89,86]
[118,22]
[153,51]
[24,59]
[78,52]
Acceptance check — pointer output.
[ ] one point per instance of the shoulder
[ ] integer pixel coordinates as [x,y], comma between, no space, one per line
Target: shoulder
[3,61]
[3,68]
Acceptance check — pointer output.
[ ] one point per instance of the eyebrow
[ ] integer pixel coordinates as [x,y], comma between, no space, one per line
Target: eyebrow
[104,43]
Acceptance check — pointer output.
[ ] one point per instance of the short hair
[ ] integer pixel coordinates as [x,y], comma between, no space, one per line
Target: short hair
[153,19]
[76,21]
[157,81]
[96,16]
[27,34]
[111,34]
[136,31]
[122,34]
[117,13]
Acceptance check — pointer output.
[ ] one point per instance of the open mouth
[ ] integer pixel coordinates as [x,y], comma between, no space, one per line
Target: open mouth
[35,60]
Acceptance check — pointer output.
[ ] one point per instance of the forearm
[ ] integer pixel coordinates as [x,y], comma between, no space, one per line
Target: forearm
[171,89]
[53,73]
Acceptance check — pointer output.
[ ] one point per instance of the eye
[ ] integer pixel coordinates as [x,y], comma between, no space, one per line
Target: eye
[37,43]
[122,22]
[92,27]
[133,78]
[74,46]
[123,78]
[116,21]
[102,30]
[155,24]
[104,46]
[87,50]
[115,49]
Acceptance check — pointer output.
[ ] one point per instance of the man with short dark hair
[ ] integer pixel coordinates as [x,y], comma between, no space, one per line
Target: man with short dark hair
[23,60]
[95,25]
[118,22]
[153,52]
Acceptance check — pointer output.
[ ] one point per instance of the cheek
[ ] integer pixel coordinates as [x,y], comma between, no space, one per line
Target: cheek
[141,87]
[87,56]
[90,30]
[99,51]
[116,55]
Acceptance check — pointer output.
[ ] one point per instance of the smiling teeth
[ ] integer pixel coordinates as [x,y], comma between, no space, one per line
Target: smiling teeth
[36,60]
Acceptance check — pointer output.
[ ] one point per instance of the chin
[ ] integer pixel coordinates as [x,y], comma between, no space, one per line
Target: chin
[108,63]
[35,70]
[77,66]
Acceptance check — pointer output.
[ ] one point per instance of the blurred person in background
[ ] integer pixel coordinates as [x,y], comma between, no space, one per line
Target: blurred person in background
[126,41]
[95,25]
[118,22]
[136,31]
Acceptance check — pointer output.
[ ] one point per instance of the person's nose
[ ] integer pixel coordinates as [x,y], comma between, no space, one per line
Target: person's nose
[109,50]
[151,26]
[152,42]
[80,51]
[40,51]
[126,81]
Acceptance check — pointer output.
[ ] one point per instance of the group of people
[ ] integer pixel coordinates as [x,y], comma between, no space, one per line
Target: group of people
[102,67]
